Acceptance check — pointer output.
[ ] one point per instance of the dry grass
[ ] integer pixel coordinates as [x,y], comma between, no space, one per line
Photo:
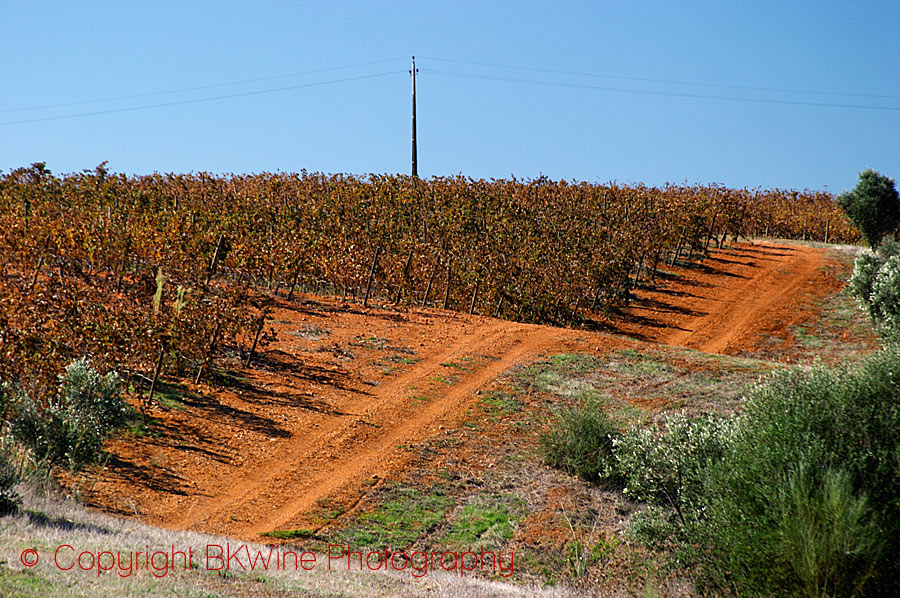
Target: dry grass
[46,522]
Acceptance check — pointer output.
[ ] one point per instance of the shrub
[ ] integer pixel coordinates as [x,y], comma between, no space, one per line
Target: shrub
[670,468]
[98,398]
[875,284]
[9,500]
[580,441]
[71,427]
[873,206]
[808,493]
[826,533]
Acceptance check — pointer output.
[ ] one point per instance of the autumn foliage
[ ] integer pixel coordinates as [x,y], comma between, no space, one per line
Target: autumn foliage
[122,268]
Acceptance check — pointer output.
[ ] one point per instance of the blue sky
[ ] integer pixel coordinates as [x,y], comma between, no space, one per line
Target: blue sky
[489,122]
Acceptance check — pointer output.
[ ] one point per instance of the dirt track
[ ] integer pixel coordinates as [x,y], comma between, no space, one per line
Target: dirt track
[331,404]
[313,465]
[724,304]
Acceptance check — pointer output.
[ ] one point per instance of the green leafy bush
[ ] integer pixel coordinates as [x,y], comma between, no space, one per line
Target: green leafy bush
[71,427]
[873,206]
[876,286]
[580,441]
[807,498]
[826,532]
[799,495]
[670,468]
[9,500]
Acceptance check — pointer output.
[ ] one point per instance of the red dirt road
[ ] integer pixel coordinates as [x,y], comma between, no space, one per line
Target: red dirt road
[728,302]
[328,407]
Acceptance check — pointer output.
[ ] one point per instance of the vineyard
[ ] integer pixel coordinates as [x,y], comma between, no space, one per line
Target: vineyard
[167,272]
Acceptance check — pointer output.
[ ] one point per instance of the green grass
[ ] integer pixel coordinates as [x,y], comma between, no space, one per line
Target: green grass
[403,515]
[289,534]
[404,359]
[499,403]
[487,521]
[171,396]
[453,364]
[629,361]
[26,584]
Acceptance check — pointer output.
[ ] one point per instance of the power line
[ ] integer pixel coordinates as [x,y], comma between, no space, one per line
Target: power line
[199,100]
[653,92]
[667,81]
[201,87]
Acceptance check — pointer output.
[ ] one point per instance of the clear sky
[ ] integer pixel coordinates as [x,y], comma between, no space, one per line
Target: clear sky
[610,94]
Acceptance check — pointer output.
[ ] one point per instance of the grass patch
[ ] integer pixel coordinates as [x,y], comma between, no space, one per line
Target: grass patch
[497,402]
[171,396]
[550,374]
[328,510]
[404,514]
[487,521]
[289,534]
[26,584]
[404,359]
[141,426]
[453,364]
[629,361]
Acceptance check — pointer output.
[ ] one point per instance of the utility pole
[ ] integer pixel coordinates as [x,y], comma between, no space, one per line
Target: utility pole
[415,161]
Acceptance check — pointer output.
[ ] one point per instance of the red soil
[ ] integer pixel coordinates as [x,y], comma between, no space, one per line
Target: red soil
[316,418]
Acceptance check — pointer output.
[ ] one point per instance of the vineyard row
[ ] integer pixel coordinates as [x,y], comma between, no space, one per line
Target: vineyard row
[162,271]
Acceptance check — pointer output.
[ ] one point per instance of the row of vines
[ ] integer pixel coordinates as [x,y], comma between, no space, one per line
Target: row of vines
[157,271]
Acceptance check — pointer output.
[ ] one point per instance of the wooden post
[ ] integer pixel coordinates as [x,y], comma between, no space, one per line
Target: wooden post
[290,294]
[637,274]
[428,287]
[712,227]
[262,321]
[157,371]
[415,160]
[371,275]
[447,289]
[404,277]
[41,264]
[209,352]
[499,307]
[215,260]
[474,297]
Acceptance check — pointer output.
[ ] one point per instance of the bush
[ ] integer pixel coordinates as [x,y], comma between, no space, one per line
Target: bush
[826,533]
[71,427]
[808,494]
[580,441]
[670,468]
[873,206]
[875,284]
[799,495]
[92,396]
[9,500]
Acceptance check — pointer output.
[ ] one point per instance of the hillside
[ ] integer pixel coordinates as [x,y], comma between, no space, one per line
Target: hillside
[409,428]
